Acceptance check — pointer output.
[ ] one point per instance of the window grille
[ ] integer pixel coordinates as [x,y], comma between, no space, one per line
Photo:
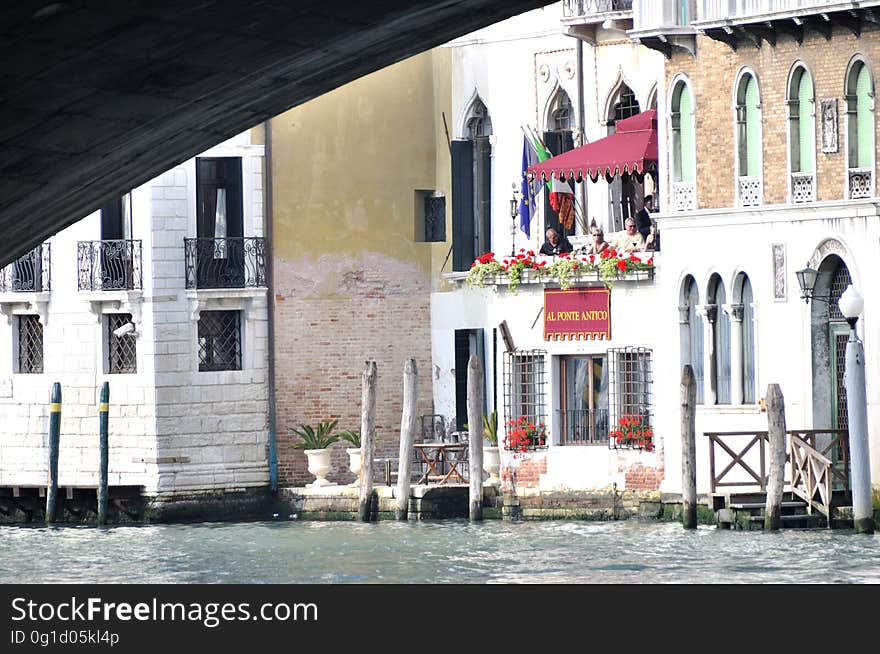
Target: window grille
[435,218]
[30,345]
[630,381]
[121,350]
[524,398]
[839,282]
[219,340]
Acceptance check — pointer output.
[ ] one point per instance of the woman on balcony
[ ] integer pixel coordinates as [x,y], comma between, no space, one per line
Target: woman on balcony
[598,242]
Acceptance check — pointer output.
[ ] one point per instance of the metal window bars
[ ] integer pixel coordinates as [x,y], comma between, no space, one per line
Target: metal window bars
[630,382]
[525,412]
[225,262]
[30,345]
[121,350]
[113,265]
[219,335]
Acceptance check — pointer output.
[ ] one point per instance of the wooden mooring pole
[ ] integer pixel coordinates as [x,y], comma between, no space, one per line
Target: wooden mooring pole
[103,414]
[688,448]
[407,437]
[54,440]
[368,428]
[475,436]
[776,438]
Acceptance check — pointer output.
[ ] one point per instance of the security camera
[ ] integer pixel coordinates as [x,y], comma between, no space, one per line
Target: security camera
[127,328]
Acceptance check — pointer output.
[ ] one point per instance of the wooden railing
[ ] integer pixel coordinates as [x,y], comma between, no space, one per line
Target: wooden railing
[815,460]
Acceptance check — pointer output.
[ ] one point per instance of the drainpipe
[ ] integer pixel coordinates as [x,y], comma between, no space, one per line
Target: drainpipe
[270,313]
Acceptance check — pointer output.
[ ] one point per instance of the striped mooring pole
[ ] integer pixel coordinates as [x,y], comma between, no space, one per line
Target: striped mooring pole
[103,415]
[54,438]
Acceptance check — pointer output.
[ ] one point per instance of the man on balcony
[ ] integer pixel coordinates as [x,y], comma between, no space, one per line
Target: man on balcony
[643,217]
[629,240]
[555,244]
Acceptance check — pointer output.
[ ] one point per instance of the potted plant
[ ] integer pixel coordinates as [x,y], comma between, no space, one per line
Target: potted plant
[315,441]
[354,452]
[491,456]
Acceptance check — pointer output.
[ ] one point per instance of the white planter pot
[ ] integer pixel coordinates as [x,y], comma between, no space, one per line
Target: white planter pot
[354,464]
[319,465]
[492,465]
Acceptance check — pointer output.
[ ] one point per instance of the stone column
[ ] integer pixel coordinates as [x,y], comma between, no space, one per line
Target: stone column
[709,312]
[735,311]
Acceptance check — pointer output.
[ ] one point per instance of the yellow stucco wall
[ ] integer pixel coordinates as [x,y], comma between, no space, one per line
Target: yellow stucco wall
[345,165]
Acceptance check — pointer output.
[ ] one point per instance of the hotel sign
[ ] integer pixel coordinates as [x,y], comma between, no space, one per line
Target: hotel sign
[577,314]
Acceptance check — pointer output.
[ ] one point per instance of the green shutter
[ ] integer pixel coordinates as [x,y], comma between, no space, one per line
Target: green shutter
[463,254]
[753,142]
[686,109]
[806,120]
[865,118]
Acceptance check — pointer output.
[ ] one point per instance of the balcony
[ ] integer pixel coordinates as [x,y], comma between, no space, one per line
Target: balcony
[750,191]
[860,183]
[753,22]
[664,26]
[684,196]
[109,266]
[803,187]
[30,273]
[25,284]
[225,262]
[584,18]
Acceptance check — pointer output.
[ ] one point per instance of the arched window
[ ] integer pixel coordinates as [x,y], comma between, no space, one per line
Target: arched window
[860,130]
[559,138]
[748,141]
[691,331]
[684,166]
[478,121]
[720,341]
[626,194]
[801,136]
[742,342]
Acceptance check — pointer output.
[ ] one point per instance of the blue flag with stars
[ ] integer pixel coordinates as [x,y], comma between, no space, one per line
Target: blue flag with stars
[529,190]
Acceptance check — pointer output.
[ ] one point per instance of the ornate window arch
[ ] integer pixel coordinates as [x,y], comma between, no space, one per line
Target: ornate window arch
[800,98]
[748,139]
[683,155]
[860,124]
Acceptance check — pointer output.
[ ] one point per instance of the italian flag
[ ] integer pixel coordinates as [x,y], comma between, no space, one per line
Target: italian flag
[561,193]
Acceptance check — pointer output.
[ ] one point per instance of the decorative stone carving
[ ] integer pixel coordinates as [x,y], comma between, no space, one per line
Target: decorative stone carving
[779,288]
[829,125]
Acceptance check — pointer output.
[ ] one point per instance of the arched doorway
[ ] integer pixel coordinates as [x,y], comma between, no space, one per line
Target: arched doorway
[829,333]
[626,194]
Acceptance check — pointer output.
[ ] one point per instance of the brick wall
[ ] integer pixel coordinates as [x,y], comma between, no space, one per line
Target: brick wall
[380,311]
[713,74]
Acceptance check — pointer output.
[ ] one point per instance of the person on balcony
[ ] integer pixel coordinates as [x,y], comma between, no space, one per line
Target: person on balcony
[643,217]
[597,243]
[555,244]
[629,240]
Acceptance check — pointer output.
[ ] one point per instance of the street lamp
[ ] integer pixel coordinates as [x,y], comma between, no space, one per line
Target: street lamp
[807,281]
[851,305]
[514,213]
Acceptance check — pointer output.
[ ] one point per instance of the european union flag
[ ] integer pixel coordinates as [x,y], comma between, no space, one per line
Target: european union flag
[527,205]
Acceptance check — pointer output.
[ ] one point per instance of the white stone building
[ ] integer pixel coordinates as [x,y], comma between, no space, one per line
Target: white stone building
[161,293]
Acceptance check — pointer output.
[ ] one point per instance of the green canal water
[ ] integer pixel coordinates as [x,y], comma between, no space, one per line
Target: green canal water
[451,551]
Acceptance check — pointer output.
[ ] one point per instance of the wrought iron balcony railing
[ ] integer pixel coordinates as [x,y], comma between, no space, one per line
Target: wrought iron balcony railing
[579,8]
[584,426]
[31,273]
[109,265]
[225,262]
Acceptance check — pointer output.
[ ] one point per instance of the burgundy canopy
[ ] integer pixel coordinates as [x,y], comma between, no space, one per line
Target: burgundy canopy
[631,149]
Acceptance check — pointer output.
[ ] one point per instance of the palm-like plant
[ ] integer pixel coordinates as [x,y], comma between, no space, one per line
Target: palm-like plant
[490,428]
[316,438]
[351,436]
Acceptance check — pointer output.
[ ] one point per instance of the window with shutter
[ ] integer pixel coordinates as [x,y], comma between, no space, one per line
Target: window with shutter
[686,113]
[806,125]
[865,118]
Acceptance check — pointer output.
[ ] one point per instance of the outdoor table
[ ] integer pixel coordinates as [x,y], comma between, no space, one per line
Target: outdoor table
[436,456]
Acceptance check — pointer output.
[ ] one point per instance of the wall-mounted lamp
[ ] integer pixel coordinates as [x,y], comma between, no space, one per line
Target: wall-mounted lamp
[807,281]
[514,214]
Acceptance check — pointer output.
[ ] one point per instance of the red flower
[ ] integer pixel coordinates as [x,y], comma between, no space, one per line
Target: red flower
[621,265]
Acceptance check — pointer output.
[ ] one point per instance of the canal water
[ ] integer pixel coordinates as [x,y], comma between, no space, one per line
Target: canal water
[452,551]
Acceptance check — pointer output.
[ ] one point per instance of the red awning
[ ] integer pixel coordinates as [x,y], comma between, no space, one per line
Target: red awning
[631,149]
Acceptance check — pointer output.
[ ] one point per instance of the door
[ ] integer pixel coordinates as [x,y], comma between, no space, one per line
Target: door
[220,252]
[115,256]
[584,400]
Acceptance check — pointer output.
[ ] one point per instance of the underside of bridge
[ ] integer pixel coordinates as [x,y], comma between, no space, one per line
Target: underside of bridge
[99,96]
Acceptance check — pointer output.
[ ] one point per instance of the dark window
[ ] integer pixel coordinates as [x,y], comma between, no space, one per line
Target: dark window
[430,210]
[121,344]
[219,340]
[30,345]
[219,220]
[471,190]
